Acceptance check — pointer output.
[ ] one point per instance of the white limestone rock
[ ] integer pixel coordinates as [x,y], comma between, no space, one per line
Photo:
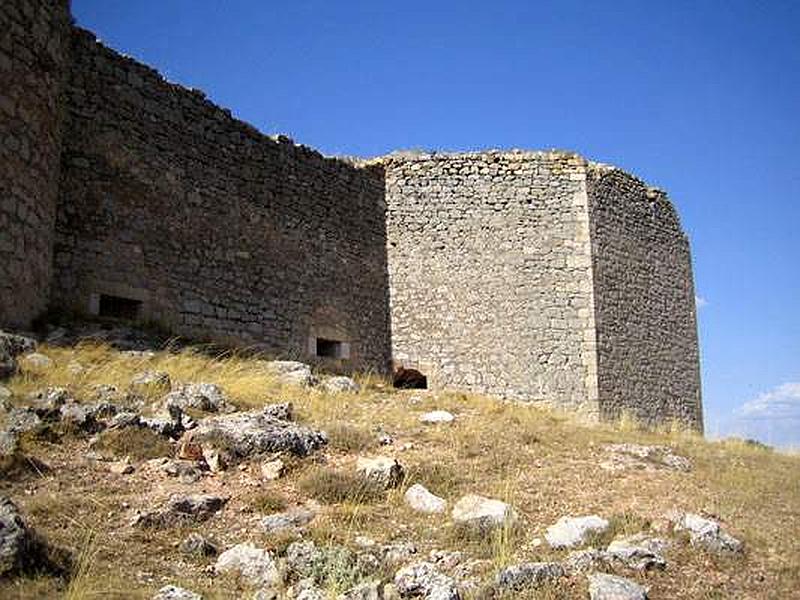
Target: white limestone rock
[292,372]
[528,575]
[611,587]
[639,551]
[337,385]
[422,580]
[708,534]
[483,513]
[382,469]
[569,532]
[253,564]
[437,416]
[173,592]
[419,498]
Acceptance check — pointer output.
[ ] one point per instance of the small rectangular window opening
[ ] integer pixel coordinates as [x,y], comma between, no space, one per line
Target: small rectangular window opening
[329,348]
[117,307]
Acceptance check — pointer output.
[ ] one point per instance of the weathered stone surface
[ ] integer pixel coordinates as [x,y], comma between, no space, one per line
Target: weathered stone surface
[419,498]
[708,534]
[483,513]
[437,416]
[244,434]
[182,510]
[280,410]
[638,456]
[253,564]
[336,385]
[272,469]
[611,587]
[197,545]
[566,251]
[584,561]
[150,381]
[292,372]
[173,592]
[46,403]
[11,346]
[639,551]
[422,580]
[569,532]
[22,550]
[382,469]
[200,396]
[368,590]
[289,519]
[525,575]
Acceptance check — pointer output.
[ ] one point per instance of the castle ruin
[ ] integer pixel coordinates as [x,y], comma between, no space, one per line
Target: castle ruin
[532,275]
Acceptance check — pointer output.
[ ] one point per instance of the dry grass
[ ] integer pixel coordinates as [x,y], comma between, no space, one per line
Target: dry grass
[134,442]
[543,462]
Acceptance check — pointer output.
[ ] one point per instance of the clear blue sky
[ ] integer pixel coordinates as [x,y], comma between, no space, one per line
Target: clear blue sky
[700,98]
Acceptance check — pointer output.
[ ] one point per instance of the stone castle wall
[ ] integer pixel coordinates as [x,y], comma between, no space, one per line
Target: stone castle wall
[530,275]
[33,57]
[216,229]
[490,272]
[648,359]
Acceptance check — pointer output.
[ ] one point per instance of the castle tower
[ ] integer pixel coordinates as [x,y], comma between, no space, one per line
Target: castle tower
[34,39]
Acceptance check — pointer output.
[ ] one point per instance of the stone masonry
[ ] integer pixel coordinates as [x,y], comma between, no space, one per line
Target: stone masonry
[527,275]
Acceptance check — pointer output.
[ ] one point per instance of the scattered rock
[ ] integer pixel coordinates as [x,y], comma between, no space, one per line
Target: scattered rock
[280,410]
[121,467]
[244,434]
[611,587]
[336,385]
[253,564]
[292,372]
[173,592]
[272,469]
[22,550]
[305,590]
[437,416]
[182,510]
[36,361]
[707,533]
[150,381]
[196,545]
[419,498]
[199,396]
[525,575]
[569,532]
[12,346]
[423,580]
[300,558]
[639,551]
[398,553]
[288,519]
[584,561]
[382,469]
[22,420]
[368,590]
[47,403]
[638,456]
[79,417]
[483,513]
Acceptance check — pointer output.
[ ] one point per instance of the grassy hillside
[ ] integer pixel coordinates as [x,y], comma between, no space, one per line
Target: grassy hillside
[544,463]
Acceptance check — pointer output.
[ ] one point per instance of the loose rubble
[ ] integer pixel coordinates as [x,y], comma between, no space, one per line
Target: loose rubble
[482,513]
[569,532]
[419,498]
